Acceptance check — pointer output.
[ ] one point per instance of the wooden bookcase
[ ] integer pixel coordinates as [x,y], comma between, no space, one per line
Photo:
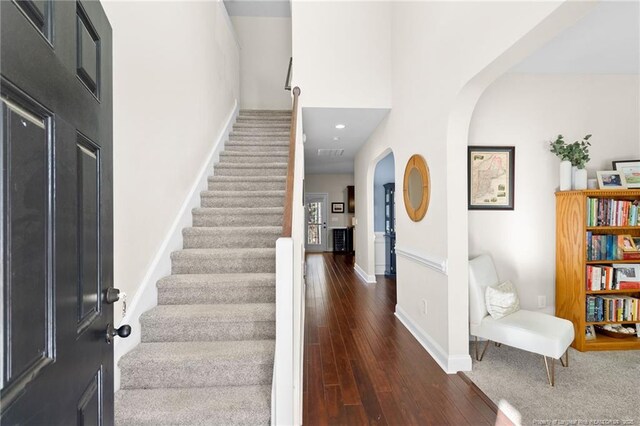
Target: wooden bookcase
[571,264]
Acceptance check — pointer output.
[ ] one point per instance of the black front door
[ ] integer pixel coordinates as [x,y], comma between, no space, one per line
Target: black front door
[56,236]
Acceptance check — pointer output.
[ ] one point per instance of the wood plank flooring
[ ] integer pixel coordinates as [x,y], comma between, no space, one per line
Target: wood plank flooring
[361,365]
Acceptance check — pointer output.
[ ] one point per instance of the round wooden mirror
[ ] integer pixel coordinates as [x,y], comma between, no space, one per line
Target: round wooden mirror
[416,188]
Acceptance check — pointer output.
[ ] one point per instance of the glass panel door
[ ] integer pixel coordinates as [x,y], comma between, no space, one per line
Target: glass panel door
[316,222]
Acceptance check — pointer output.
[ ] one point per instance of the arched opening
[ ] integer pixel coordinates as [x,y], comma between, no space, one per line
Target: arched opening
[384,206]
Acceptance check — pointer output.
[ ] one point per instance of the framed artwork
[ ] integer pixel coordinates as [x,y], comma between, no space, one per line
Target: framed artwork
[628,243]
[590,333]
[611,179]
[631,171]
[490,171]
[337,207]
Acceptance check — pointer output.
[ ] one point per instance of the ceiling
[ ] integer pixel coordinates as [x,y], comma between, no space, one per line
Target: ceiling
[266,8]
[319,128]
[605,41]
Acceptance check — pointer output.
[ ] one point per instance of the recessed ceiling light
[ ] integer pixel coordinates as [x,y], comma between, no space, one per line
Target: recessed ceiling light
[340,126]
[335,138]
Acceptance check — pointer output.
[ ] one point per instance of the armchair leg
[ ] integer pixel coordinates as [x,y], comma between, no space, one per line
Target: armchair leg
[486,345]
[565,362]
[550,375]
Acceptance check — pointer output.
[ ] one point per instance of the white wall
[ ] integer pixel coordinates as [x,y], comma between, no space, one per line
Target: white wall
[265,49]
[173,91]
[342,53]
[442,58]
[336,186]
[528,111]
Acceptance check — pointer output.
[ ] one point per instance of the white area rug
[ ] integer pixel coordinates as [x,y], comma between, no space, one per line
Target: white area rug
[598,388]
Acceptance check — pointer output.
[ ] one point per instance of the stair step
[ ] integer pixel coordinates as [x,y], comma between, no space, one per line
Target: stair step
[198,364]
[240,216]
[247,183]
[260,139]
[223,261]
[258,117]
[263,124]
[258,129]
[206,323]
[189,289]
[254,157]
[265,112]
[231,237]
[229,405]
[251,169]
[262,133]
[242,198]
[280,147]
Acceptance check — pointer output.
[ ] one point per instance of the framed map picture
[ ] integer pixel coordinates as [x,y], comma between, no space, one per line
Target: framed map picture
[631,171]
[490,171]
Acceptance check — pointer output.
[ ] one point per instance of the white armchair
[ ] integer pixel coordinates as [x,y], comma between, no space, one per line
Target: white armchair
[531,331]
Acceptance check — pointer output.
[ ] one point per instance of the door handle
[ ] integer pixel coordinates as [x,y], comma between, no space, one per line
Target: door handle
[111,295]
[123,331]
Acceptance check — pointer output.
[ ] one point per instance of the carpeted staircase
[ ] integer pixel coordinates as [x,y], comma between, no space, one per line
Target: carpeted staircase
[207,350]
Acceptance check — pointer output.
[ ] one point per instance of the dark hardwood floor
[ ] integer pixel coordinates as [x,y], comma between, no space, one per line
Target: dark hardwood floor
[361,366]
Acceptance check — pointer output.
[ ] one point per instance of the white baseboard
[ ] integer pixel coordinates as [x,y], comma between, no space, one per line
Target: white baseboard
[147,295]
[451,364]
[370,279]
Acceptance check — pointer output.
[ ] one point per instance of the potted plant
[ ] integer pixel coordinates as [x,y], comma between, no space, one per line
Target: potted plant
[574,158]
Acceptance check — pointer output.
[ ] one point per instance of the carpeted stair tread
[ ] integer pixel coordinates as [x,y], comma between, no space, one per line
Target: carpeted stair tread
[198,364]
[243,194]
[280,165]
[231,179]
[239,211]
[240,216]
[190,323]
[265,112]
[232,199]
[228,405]
[231,236]
[223,260]
[217,281]
[189,289]
[217,313]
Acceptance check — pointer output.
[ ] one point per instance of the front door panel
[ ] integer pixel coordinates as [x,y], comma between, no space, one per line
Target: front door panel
[56,235]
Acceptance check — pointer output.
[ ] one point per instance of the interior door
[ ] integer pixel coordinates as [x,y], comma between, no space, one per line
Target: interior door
[56,235]
[316,222]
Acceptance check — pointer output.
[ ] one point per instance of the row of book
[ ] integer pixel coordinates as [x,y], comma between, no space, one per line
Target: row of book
[613,277]
[610,212]
[613,308]
[609,247]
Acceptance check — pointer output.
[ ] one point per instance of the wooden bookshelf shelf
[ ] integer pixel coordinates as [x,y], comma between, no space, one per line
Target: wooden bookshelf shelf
[625,291]
[606,343]
[571,265]
[608,322]
[610,261]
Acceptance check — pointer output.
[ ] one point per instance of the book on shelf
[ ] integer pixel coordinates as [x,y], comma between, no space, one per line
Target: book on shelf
[629,285]
[611,212]
[612,308]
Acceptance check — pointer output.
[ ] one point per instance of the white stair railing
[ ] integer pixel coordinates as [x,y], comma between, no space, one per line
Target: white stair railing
[286,396]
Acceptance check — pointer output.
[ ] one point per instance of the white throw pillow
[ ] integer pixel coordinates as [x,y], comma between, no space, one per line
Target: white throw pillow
[502,300]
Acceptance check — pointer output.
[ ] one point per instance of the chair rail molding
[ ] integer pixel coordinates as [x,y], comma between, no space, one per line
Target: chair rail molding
[434,262]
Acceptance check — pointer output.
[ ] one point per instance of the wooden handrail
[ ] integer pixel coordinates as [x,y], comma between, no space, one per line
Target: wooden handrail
[287,81]
[288,198]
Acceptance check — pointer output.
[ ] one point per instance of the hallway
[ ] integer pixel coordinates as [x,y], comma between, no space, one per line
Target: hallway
[362,366]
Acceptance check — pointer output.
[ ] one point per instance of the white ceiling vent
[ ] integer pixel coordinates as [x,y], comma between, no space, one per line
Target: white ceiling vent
[330,152]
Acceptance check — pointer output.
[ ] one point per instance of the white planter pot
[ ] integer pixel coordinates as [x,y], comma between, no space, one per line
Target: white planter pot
[580,179]
[565,175]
